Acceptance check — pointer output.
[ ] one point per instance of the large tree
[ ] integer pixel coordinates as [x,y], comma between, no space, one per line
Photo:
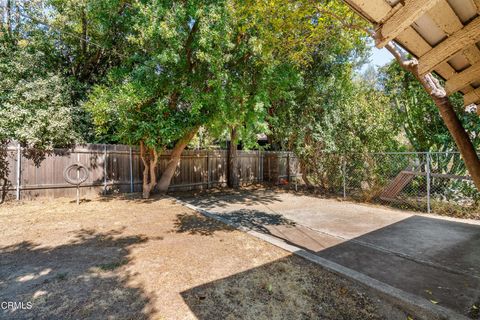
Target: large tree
[279,42]
[171,83]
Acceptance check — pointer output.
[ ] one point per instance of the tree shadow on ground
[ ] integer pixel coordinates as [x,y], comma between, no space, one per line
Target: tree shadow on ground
[287,288]
[197,224]
[77,280]
[132,198]
[256,220]
[225,197]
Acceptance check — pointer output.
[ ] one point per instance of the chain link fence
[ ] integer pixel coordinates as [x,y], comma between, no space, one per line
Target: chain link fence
[435,182]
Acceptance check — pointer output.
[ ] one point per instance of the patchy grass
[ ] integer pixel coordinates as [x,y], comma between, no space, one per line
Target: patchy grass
[113,265]
[450,209]
[442,208]
[133,259]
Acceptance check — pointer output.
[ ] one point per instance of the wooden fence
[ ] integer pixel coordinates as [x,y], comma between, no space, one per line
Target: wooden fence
[118,168]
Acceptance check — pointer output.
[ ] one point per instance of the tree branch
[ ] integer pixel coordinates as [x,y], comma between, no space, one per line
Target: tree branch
[344,23]
[188,46]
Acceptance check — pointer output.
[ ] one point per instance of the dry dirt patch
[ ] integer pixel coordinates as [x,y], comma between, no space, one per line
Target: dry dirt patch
[124,258]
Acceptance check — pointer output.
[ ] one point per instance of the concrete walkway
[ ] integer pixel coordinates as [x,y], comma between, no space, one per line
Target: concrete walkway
[432,257]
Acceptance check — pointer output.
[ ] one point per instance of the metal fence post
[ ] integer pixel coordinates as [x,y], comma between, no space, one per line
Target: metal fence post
[78,178]
[19,170]
[105,169]
[131,170]
[428,182]
[344,174]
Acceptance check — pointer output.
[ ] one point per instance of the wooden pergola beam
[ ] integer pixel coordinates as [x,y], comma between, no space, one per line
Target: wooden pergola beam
[445,18]
[462,79]
[472,97]
[402,19]
[375,9]
[461,39]
[477,3]
[472,54]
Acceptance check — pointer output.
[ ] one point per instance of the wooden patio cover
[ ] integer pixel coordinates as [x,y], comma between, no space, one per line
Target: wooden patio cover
[444,35]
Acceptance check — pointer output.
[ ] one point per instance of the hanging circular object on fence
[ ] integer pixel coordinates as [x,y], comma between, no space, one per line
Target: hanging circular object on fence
[81,176]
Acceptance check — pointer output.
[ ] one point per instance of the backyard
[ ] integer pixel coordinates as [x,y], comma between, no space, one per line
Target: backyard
[240,159]
[127,258]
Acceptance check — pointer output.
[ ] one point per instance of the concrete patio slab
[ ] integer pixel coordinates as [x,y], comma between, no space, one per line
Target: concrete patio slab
[427,256]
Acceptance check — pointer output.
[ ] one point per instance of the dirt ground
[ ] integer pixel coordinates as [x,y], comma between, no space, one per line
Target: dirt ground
[124,258]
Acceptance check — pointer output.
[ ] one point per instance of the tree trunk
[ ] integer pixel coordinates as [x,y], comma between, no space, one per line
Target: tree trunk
[150,161]
[462,140]
[2,18]
[453,124]
[9,17]
[175,157]
[232,172]
[3,190]
[4,170]
[83,41]
[447,112]
[305,178]
[17,18]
